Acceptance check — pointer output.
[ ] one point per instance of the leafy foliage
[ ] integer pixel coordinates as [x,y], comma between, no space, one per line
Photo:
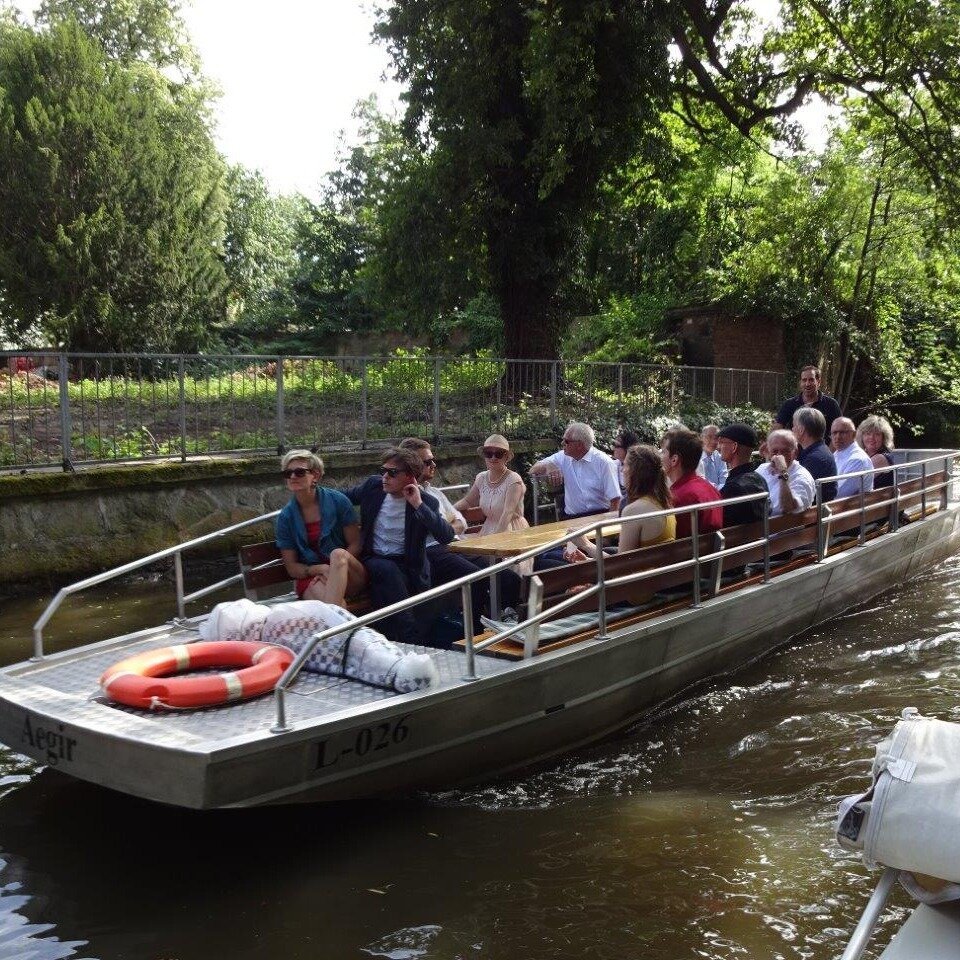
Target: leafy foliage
[110,201]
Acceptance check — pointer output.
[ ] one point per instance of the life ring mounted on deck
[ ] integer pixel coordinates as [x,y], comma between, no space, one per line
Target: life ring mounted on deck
[145,680]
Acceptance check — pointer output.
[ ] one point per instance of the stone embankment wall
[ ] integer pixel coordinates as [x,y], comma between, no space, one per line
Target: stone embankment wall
[58,527]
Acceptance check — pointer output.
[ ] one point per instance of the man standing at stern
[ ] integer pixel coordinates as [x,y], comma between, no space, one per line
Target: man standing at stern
[810,395]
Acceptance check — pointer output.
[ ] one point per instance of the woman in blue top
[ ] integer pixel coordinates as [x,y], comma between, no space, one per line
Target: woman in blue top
[318,535]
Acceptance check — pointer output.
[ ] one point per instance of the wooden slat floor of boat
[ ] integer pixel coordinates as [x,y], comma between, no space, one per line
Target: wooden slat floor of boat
[67,687]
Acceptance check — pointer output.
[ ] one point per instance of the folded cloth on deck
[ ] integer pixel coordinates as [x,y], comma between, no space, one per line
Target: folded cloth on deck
[358,654]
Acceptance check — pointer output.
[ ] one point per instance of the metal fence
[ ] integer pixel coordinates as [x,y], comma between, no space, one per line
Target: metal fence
[65,409]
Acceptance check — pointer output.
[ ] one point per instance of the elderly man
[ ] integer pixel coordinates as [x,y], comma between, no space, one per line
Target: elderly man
[850,458]
[791,487]
[680,452]
[712,468]
[810,395]
[589,475]
[396,519]
[814,455]
[736,444]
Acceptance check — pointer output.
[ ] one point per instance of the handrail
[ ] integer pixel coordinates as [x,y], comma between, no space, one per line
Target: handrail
[871,915]
[291,673]
[174,551]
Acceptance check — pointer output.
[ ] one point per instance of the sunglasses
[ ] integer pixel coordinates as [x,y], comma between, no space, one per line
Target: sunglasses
[391,471]
[430,463]
[494,454]
[294,472]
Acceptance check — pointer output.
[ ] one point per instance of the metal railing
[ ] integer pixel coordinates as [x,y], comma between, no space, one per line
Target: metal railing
[530,625]
[65,409]
[175,551]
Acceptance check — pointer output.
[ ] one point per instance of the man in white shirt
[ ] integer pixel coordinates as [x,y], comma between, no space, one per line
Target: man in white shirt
[791,487]
[850,457]
[589,475]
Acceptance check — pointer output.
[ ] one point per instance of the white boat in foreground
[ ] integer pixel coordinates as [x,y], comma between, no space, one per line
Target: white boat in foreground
[327,738]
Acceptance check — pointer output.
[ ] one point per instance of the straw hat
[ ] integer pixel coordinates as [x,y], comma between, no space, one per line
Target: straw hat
[495,441]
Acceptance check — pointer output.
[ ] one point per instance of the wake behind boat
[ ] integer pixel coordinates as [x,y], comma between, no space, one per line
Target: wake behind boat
[499,704]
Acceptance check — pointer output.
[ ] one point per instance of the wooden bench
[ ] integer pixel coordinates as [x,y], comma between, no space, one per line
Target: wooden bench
[264,575]
[795,532]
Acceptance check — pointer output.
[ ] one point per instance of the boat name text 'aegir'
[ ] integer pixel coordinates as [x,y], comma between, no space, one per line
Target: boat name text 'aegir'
[380,736]
[57,746]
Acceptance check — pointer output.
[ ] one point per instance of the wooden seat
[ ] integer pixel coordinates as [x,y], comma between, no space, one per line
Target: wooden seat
[264,575]
[474,517]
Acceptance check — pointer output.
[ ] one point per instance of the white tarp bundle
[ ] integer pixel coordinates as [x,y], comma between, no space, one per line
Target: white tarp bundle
[358,654]
[236,620]
[909,818]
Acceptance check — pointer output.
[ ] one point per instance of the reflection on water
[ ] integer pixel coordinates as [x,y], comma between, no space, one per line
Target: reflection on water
[704,832]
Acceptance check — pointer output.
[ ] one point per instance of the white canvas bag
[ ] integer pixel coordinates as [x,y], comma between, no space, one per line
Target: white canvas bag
[909,819]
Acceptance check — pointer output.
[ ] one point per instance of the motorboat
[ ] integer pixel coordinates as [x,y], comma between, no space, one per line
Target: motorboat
[521,693]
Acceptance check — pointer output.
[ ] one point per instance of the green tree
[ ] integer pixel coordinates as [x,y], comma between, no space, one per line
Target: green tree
[522,107]
[111,208]
[525,110]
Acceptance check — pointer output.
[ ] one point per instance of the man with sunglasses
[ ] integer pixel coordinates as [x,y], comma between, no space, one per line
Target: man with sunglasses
[589,475]
[397,518]
[444,565]
[422,447]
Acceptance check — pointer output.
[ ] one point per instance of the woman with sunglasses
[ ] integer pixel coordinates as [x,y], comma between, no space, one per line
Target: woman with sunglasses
[317,534]
[498,491]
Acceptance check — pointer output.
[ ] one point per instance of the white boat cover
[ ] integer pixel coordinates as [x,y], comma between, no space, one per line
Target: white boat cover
[909,817]
[360,654]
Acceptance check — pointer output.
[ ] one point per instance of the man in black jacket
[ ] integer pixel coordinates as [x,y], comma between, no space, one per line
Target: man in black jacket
[396,518]
[736,444]
[398,521]
[809,427]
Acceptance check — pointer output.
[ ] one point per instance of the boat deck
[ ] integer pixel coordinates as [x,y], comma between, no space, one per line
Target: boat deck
[66,686]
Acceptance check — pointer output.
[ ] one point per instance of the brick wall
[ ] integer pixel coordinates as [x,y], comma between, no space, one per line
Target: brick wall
[753,343]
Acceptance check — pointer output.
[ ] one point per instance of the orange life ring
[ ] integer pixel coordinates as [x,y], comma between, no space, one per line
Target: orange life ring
[144,680]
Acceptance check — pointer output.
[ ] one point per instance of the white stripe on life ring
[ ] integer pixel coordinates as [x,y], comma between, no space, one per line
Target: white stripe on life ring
[234,686]
[181,653]
[117,676]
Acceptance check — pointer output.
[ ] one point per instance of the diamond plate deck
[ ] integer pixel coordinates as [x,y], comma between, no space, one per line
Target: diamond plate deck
[66,686]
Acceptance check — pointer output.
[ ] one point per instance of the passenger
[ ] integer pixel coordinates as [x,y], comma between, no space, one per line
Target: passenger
[499,493]
[647,492]
[875,436]
[791,487]
[450,513]
[712,468]
[809,396]
[625,440]
[814,455]
[589,476]
[736,443]
[397,518]
[850,457]
[317,534]
[680,452]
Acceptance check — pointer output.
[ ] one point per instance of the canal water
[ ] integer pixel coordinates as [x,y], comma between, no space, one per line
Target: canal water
[703,832]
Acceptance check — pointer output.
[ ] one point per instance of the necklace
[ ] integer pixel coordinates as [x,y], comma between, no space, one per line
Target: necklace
[496,483]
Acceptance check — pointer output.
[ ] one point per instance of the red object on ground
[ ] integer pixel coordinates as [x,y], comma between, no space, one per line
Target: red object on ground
[145,680]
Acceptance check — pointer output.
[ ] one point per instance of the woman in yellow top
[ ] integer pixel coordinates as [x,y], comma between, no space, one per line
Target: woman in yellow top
[647,492]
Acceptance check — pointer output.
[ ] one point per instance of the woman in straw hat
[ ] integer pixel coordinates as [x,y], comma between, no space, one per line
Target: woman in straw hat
[498,491]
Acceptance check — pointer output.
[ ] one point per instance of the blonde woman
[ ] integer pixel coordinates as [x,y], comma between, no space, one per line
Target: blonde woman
[647,492]
[875,435]
[317,534]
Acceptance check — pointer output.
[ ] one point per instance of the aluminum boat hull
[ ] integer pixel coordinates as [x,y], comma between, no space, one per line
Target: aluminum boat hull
[516,713]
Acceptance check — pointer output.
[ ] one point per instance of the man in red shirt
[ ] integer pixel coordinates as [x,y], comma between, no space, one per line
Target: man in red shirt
[680,452]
